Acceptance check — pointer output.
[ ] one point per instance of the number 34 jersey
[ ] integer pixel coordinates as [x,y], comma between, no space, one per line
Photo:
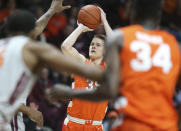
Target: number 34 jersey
[150,68]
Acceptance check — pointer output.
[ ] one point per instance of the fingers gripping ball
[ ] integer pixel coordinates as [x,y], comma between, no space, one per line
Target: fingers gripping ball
[90,16]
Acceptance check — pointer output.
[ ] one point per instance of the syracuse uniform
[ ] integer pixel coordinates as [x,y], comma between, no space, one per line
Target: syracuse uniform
[83,115]
[150,68]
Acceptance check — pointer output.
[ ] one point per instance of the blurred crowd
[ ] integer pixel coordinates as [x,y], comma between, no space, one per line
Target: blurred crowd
[60,26]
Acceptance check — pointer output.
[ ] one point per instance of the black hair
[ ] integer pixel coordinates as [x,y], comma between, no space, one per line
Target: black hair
[21,21]
[147,9]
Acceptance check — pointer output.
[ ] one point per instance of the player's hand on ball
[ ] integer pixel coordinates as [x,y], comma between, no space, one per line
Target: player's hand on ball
[36,116]
[84,28]
[103,16]
[57,6]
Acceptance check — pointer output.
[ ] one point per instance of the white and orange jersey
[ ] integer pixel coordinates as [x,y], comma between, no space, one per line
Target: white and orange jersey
[84,109]
[150,68]
[15,78]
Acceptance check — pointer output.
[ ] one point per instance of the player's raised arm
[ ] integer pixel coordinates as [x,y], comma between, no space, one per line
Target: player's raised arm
[35,53]
[41,23]
[67,46]
[107,27]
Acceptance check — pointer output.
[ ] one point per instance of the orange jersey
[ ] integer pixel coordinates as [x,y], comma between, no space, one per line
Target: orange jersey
[150,67]
[84,109]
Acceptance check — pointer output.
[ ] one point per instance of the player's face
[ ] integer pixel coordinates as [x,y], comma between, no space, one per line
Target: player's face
[96,48]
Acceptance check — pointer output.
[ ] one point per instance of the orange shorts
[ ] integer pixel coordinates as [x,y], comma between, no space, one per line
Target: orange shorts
[72,126]
[130,124]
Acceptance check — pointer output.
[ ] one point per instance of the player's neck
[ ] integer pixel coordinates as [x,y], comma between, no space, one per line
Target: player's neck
[97,61]
[147,24]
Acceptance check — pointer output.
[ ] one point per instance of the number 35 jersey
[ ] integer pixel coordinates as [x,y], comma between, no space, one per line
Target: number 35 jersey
[85,109]
[150,68]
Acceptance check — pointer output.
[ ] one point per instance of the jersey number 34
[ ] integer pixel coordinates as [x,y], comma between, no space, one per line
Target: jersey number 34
[144,62]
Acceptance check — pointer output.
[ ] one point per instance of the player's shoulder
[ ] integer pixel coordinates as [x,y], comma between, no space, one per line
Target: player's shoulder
[167,35]
[170,38]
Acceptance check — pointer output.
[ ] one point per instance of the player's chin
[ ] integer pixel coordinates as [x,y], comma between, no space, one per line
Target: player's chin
[92,56]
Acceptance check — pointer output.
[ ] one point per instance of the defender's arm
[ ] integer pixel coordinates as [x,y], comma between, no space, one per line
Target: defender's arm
[41,23]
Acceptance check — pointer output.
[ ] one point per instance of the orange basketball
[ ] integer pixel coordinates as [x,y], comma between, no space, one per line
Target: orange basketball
[90,16]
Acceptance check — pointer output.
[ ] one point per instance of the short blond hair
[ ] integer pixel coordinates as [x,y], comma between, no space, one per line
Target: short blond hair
[100,36]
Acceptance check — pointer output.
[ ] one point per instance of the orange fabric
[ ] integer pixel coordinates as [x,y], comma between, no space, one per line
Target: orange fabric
[84,109]
[4,14]
[170,6]
[55,24]
[130,124]
[113,114]
[149,92]
[71,126]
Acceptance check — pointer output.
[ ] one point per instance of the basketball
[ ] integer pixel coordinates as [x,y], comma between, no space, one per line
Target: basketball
[90,16]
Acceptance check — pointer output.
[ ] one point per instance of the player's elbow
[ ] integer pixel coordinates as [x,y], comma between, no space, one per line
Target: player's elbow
[64,48]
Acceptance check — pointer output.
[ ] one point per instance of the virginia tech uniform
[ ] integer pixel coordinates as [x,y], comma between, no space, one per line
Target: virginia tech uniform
[83,115]
[15,78]
[150,68]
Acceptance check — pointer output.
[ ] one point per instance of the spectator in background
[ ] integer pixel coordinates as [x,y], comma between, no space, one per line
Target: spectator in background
[55,77]
[54,114]
[73,16]
[168,10]
[65,78]
[170,6]
[171,17]
[10,7]
[56,24]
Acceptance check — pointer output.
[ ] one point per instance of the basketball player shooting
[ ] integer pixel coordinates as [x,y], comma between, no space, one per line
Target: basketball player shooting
[90,116]
[96,48]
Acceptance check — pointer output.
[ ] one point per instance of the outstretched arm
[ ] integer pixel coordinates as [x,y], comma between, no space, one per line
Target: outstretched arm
[36,53]
[41,23]
[60,91]
[67,45]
